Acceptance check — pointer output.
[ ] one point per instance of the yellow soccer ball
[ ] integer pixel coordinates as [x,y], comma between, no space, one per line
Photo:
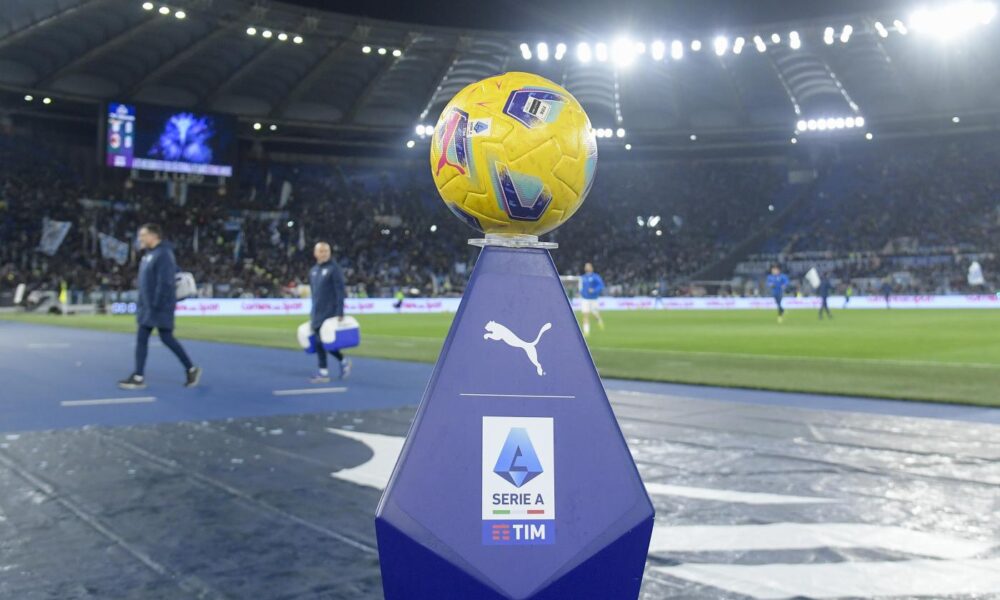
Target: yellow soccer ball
[513,154]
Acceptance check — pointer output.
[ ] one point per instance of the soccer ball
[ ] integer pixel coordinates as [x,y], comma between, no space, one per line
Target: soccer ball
[513,154]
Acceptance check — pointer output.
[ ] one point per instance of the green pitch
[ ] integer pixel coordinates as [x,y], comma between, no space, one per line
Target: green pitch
[942,355]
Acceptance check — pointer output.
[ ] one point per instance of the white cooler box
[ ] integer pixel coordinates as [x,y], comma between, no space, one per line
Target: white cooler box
[335,335]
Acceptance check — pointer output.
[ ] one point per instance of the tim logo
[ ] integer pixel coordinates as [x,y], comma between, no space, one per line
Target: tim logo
[514,533]
[496,331]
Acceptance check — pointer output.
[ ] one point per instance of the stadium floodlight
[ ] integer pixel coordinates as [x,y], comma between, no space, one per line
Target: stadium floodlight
[950,21]
[628,146]
[257,126]
[869,136]
[640,47]
[283,36]
[653,221]
[738,45]
[583,53]
[695,45]
[46,100]
[840,123]
[794,141]
[794,41]
[409,144]
[560,51]
[759,43]
[640,221]
[622,52]
[693,138]
[608,132]
[775,38]
[28,97]
[601,52]
[845,33]
[676,50]
[382,51]
[366,49]
[420,130]
[657,50]
[859,121]
[266,34]
[849,122]
[273,127]
[147,6]
[821,124]
[900,27]
[251,31]
[620,132]
[811,125]
[956,120]
[828,36]
[831,123]
[659,232]
[298,40]
[880,28]
[164,10]
[599,133]
[542,50]
[180,14]
[801,126]
[434,228]
[721,45]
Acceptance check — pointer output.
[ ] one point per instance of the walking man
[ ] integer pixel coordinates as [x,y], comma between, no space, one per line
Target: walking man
[328,292]
[155,309]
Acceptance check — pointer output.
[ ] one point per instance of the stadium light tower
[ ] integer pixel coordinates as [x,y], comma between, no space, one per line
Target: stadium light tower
[951,21]
[676,50]
[657,50]
[721,45]
[542,49]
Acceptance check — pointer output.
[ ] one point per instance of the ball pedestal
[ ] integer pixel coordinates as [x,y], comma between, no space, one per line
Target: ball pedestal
[515,482]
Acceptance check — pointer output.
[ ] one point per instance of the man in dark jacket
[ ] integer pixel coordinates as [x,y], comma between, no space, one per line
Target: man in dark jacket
[825,287]
[157,300]
[326,281]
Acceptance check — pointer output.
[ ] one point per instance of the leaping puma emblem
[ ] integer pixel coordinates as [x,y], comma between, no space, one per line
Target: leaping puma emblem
[496,331]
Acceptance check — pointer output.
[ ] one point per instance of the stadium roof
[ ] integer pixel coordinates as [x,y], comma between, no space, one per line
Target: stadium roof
[377,79]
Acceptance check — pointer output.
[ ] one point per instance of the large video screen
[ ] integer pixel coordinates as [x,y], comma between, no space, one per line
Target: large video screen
[157,138]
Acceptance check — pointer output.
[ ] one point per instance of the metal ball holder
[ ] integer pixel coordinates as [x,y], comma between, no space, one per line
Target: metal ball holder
[515,481]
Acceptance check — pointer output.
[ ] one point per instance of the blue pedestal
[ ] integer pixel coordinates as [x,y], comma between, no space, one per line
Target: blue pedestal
[515,481]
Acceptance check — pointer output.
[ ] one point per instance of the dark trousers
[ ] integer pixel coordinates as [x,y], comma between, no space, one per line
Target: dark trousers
[825,307]
[781,310]
[168,339]
[321,351]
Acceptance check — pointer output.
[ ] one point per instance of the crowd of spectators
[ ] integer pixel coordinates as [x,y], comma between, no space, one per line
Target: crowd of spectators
[647,226]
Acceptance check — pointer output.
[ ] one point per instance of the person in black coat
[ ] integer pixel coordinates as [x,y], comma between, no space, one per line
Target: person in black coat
[155,308]
[326,282]
[825,287]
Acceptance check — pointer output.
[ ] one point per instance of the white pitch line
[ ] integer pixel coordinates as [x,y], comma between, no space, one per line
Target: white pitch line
[663,489]
[513,395]
[42,345]
[103,401]
[807,536]
[910,578]
[307,391]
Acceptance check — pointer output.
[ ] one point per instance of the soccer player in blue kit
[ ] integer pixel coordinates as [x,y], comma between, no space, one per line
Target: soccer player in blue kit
[777,282]
[591,286]
[326,282]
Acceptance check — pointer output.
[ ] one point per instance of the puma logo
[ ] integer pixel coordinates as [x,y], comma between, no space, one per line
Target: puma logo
[496,331]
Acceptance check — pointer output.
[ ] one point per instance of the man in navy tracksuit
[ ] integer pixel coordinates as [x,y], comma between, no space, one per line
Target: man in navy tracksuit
[155,309]
[326,281]
[591,287]
[777,282]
